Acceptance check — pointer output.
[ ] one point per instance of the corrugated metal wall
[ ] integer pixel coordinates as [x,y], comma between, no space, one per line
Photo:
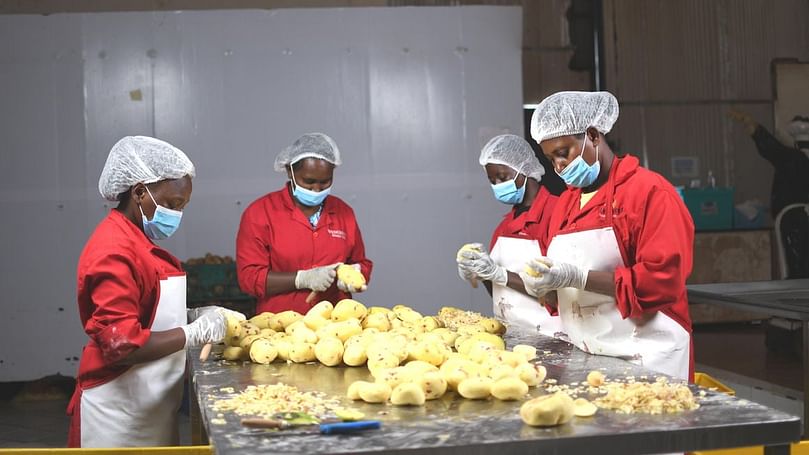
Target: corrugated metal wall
[677,67]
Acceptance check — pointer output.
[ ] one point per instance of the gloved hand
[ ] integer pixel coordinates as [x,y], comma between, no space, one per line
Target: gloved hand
[481,264]
[194,313]
[210,327]
[345,287]
[545,275]
[317,279]
[463,271]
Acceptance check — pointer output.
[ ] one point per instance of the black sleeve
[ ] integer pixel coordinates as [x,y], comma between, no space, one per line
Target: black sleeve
[770,148]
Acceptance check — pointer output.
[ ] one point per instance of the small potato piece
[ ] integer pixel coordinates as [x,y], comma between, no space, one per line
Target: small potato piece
[262,321]
[530,374]
[509,388]
[407,394]
[433,384]
[529,352]
[262,351]
[329,351]
[475,388]
[302,352]
[348,309]
[234,353]
[583,408]
[374,392]
[596,378]
[548,410]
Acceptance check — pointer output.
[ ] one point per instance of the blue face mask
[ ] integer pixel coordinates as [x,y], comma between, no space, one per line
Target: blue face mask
[508,193]
[164,222]
[306,197]
[580,174]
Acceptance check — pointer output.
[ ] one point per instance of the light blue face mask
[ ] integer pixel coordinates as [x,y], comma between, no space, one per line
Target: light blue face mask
[164,222]
[580,174]
[306,197]
[508,193]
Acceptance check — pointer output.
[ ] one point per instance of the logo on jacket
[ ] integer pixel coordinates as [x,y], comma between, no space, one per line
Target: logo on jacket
[337,233]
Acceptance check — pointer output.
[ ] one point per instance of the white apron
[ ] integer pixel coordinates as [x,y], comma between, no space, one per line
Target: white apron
[592,321]
[139,407]
[513,307]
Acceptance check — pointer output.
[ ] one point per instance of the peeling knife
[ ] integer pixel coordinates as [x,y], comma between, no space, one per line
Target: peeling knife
[323,428]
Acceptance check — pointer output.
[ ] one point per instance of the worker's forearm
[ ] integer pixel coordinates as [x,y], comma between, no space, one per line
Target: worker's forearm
[159,345]
[280,282]
[601,283]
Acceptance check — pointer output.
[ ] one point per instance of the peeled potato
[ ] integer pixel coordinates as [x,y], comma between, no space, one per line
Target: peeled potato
[246,329]
[378,321]
[315,321]
[262,351]
[406,314]
[302,352]
[348,309]
[342,330]
[596,378]
[233,330]
[495,340]
[329,351]
[529,352]
[379,309]
[267,333]
[470,329]
[283,345]
[548,410]
[426,352]
[234,353]
[353,392]
[428,323]
[245,342]
[354,355]
[374,392]
[383,361]
[322,309]
[280,321]
[433,384]
[497,372]
[262,321]
[394,376]
[421,367]
[447,335]
[475,388]
[407,394]
[305,335]
[492,325]
[583,408]
[509,388]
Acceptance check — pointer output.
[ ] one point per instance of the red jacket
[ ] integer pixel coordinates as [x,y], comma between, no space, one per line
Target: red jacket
[531,224]
[655,235]
[274,235]
[119,276]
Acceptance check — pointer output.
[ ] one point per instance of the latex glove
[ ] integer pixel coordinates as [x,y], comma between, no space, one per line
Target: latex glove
[210,327]
[552,275]
[195,313]
[482,265]
[463,271]
[317,279]
[341,285]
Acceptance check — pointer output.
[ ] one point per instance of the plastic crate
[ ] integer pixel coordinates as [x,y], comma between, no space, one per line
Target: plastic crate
[711,208]
[709,382]
[213,282]
[179,450]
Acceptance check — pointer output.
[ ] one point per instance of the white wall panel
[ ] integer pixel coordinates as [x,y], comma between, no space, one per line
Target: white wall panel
[409,94]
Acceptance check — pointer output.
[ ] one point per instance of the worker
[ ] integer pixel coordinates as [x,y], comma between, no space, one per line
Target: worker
[515,175]
[131,296]
[790,185]
[621,242]
[290,241]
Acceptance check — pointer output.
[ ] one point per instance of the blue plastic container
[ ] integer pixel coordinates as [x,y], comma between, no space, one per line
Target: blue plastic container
[711,208]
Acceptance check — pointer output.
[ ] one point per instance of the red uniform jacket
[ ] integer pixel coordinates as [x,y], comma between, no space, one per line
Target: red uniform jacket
[274,235]
[531,224]
[119,275]
[655,234]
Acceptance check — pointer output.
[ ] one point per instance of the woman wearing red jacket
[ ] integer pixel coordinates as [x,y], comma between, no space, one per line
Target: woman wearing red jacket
[290,241]
[514,173]
[621,242]
[131,296]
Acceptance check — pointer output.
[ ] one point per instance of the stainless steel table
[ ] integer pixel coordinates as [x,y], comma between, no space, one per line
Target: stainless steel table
[457,426]
[783,298]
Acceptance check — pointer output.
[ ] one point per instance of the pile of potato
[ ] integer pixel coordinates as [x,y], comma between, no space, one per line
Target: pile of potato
[412,358]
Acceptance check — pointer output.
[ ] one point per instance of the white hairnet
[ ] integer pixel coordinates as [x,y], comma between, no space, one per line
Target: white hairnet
[799,129]
[513,151]
[569,113]
[310,145]
[141,159]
